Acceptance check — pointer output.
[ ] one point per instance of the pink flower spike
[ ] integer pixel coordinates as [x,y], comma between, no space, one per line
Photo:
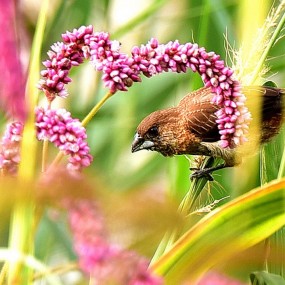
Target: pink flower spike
[12,80]
[10,148]
[106,263]
[120,70]
[61,129]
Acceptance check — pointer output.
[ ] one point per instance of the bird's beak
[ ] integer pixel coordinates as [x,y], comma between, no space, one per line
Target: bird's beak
[139,143]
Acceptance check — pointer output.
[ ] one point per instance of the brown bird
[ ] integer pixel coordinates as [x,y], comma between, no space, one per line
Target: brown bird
[191,128]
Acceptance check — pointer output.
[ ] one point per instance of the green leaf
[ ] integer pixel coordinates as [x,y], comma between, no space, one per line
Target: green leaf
[185,207]
[269,84]
[265,278]
[271,169]
[219,236]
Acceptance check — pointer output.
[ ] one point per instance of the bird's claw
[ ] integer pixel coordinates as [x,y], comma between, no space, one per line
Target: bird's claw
[199,173]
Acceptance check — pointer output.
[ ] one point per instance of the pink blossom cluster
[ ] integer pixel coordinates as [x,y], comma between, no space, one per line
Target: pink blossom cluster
[66,133]
[12,80]
[62,57]
[104,262]
[117,67]
[120,71]
[10,148]
[233,117]
[58,127]
[79,44]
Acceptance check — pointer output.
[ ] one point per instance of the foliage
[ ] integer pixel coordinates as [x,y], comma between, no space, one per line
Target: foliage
[138,194]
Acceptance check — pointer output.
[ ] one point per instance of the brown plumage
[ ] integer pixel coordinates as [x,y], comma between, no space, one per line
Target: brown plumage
[190,127]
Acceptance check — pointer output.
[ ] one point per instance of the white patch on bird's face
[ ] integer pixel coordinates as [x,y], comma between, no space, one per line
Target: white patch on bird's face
[139,143]
[147,145]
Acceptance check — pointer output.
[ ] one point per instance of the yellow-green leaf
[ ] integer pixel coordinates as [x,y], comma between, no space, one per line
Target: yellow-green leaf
[224,232]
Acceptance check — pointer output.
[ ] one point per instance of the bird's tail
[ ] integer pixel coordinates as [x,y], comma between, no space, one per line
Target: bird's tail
[272,108]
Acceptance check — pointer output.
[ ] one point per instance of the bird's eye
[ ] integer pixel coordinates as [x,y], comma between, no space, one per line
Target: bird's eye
[153,131]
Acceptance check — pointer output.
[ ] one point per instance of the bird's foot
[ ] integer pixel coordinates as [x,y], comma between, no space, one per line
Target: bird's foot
[199,173]
[205,172]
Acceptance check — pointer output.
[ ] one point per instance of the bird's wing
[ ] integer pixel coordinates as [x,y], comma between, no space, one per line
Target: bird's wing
[199,113]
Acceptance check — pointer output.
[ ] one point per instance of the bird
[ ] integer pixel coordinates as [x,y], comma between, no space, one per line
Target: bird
[190,128]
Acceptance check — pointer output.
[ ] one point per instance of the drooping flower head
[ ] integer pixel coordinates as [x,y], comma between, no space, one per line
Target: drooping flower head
[120,71]
[66,133]
[233,117]
[58,127]
[62,56]
[10,148]
[83,44]
[105,262]
[12,80]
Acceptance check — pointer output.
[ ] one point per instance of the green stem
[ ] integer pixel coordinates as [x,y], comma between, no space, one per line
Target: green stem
[281,171]
[84,123]
[21,240]
[21,236]
[96,108]
[43,272]
[56,161]
[269,265]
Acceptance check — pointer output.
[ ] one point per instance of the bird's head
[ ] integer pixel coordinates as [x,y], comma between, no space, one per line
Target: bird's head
[159,132]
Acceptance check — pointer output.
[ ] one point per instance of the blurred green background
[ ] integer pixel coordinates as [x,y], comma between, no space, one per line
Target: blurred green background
[214,24]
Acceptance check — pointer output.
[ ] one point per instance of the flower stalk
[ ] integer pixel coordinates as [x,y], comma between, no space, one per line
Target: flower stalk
[272,41]
[96,108]
[84,123]
[23,215]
